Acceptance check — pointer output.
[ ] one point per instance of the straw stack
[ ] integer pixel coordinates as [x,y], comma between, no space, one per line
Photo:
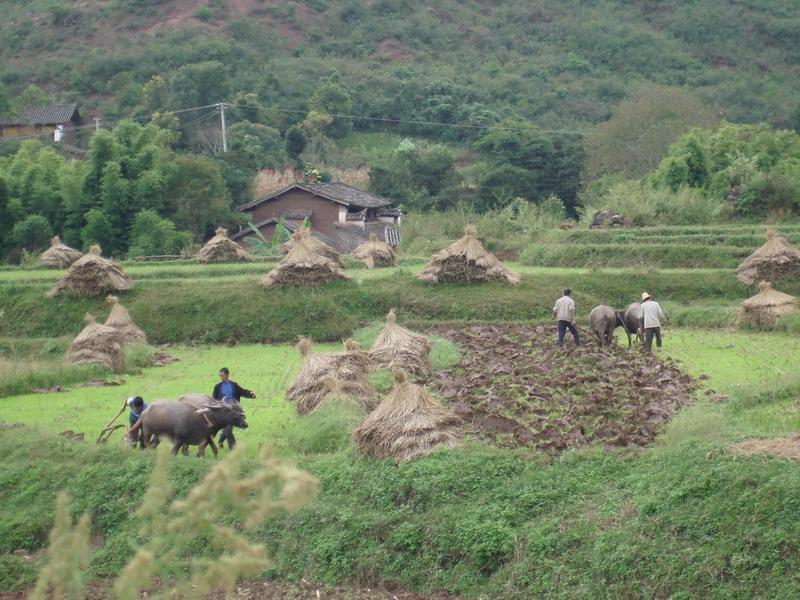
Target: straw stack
[777,259]
[92,275]
[308,389]
[407,425]
[466,261]
[97,344]
[58,255]
[303,266]
[120,319]
[398,347]
[766,307]
[221,248]
[375,253]
[315,244]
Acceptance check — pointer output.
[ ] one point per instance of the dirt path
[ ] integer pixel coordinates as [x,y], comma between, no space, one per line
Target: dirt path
[515,388]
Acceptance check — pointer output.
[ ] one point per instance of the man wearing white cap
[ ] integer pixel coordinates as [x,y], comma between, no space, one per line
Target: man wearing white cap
[652,316]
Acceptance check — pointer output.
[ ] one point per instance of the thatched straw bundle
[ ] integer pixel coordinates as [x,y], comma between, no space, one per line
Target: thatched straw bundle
[120,319]
[308,389]
[465,261]
[303,266]
[58,255]
[336,390]
[766,307]
[221,248]
[97,344]
[407,425]
[315,244]
[375,253]
[777,259]
[92,275]
[398,347]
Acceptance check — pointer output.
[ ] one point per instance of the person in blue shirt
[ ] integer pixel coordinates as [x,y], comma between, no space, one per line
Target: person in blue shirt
[229,391]
[136,405]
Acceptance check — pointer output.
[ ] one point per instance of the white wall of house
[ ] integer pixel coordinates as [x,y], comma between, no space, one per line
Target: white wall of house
[342,214]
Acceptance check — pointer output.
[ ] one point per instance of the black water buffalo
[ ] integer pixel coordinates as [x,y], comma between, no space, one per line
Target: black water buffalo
[188,423]
[603,320]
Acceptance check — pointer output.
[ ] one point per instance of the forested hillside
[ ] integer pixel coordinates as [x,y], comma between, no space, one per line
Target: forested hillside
[451,105]
[561,64]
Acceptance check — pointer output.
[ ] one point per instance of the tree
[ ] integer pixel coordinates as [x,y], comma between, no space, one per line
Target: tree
[502,184]
[333,100]
[98,230]
[295,141]
[553,165]
[115,200]
[155,95]
[102,149]
[200,84]
[33,233]
[254,147]
[7,218]
[5,103]
[31,96]
[641,128]
[197,199]
[153,236]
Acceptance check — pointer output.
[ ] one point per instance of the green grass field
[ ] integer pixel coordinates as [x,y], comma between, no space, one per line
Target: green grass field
[682,518]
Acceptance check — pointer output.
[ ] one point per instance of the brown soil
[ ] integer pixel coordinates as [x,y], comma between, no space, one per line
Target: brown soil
[787,447]
[515,388]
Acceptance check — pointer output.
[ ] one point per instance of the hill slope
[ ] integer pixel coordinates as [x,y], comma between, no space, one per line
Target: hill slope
[561,64]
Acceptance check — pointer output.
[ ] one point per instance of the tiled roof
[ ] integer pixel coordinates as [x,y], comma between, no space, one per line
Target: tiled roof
[44,115]
[337,192]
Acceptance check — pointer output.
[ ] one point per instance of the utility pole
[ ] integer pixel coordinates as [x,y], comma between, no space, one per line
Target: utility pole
[97,120]
[222,107]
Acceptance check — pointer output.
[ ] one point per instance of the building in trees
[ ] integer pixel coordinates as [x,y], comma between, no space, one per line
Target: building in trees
[340,215]
[57,120]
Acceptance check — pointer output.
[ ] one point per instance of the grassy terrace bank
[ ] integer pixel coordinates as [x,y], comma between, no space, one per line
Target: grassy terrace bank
[218,310]
[682,519]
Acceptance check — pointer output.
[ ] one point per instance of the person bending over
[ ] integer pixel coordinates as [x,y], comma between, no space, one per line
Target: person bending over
[136,405]
[229,391]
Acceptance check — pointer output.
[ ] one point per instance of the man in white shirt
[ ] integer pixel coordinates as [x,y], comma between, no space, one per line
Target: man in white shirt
[564,313]
[652,316]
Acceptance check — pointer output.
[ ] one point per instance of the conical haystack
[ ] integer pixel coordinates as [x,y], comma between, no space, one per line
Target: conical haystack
[407,425]
[465,261]
[315,244]
[92,275]
[97,344]
[336,390]
[221,248]
[777,259]
[303,266]
[120,319]
[308,389]
[401,348]
[375,253]
[766,307]
[58,255]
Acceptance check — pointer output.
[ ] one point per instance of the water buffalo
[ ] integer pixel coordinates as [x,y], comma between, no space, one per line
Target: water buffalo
[188,424]
[634,321]
[603,320]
